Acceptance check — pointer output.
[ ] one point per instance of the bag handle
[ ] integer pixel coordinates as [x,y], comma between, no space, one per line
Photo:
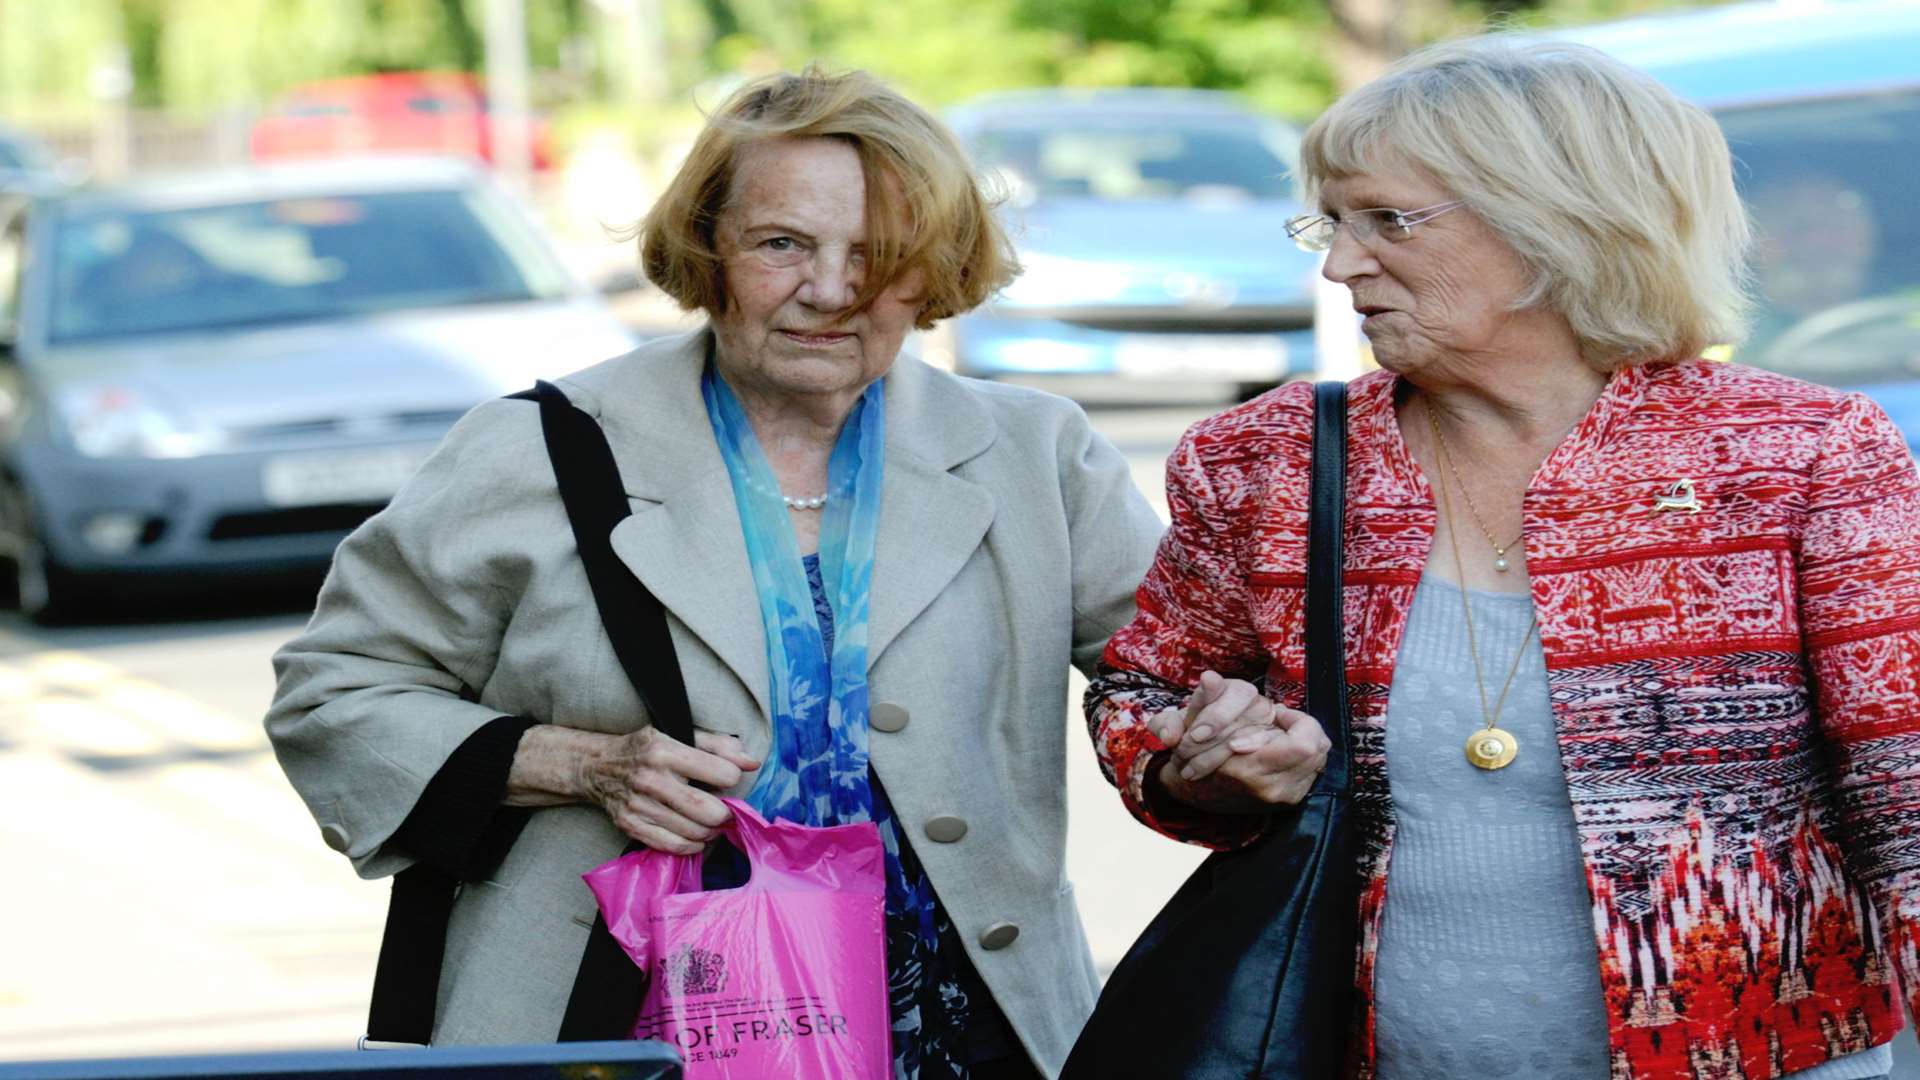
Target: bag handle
[1326,565]
[607,988]
[849,857]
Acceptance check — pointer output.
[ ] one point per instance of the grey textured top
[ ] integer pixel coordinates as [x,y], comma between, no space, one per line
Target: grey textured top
[1487,965]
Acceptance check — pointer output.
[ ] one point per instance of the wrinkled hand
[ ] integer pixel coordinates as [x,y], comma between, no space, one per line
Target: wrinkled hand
[645,782]
[1236,752]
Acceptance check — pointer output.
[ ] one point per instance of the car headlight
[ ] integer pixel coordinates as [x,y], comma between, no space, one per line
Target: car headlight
[117,422]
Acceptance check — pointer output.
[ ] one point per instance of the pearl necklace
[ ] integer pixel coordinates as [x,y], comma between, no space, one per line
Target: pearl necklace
[799,502]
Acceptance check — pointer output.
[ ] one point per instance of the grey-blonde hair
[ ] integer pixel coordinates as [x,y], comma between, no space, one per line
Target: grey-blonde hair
[1618,196]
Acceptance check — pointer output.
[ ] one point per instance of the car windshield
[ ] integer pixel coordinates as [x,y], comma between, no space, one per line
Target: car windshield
[1139,157]
[1837,215]
[121,272]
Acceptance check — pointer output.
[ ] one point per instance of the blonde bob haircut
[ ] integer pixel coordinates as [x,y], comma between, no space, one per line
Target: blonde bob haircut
[1618,196]
[925,207]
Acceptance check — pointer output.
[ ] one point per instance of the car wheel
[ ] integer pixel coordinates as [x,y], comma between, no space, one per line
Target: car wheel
[34,581]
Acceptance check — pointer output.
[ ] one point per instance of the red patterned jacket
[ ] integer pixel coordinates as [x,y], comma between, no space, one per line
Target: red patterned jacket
[1737,690]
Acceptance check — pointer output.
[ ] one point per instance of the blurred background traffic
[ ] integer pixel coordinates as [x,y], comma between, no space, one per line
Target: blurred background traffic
[256,256]
[238,304]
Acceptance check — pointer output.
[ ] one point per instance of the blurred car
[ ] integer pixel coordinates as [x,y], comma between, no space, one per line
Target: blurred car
[1151,225]
[431,112]
[1821,106]
[27,166]
[227,372]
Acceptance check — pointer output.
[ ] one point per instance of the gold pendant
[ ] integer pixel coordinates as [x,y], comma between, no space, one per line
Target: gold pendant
[1491,748]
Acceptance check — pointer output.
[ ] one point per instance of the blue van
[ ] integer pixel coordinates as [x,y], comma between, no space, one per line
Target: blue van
[1821,106]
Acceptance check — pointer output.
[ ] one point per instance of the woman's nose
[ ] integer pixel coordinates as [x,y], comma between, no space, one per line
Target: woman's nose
[833,280]
[1347,259]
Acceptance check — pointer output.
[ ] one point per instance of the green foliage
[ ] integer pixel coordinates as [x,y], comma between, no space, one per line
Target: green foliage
[48,53]
[204,54]
[944,51]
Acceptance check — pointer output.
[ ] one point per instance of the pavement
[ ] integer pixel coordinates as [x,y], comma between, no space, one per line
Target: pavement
[167,893]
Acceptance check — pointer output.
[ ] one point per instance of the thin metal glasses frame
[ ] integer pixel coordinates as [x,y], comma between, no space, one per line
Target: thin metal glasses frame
[1315,232]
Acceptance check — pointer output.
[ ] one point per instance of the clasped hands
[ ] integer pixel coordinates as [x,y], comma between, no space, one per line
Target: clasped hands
[1236,752]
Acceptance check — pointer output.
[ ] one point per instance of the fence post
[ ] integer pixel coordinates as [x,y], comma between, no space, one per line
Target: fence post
[111,83]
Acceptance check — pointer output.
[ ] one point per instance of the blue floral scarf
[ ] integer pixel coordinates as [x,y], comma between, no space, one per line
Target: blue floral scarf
[816,772]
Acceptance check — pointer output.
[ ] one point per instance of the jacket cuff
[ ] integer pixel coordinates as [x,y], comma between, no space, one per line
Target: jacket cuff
[458,825]
[1168,815]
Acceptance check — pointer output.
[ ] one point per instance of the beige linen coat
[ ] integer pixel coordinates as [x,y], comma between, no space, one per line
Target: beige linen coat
[1011,540]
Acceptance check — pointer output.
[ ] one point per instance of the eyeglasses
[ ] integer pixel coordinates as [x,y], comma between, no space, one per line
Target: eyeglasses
[1315,232]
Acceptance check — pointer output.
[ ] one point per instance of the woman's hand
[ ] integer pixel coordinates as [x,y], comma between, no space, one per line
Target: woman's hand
[1236,752]
[644,780]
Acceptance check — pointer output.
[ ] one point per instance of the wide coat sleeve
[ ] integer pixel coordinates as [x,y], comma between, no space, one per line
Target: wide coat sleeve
[383,686]
[1194,615]
[1859,573]
[1112,529]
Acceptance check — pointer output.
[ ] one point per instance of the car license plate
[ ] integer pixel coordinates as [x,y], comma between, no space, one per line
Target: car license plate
[342,476]
[1250,358]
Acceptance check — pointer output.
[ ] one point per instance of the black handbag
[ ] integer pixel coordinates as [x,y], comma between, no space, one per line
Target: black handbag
[608,986]
[1248,971]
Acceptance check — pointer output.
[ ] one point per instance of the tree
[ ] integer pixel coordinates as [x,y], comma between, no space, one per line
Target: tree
[1290,56]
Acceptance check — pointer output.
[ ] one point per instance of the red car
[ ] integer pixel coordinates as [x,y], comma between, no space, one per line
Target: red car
[414,111]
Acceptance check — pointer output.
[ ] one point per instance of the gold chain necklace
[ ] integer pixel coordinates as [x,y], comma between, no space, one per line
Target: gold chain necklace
[1491,747]
[1445,454]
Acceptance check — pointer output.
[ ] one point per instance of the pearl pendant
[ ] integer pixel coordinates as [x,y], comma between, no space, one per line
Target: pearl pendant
[1500,563]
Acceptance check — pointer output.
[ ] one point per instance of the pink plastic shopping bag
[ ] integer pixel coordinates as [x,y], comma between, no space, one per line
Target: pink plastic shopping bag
[785,976]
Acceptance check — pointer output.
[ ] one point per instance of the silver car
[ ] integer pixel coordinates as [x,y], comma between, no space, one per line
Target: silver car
[228,372]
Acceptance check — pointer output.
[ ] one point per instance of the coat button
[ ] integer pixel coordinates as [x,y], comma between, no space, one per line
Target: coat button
[334,837]
[946,829]
[886,716]
[998,936]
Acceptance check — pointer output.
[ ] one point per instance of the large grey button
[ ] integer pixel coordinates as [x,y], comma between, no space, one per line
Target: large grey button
[334,837]
[946,829]
[999,935]
[886,716]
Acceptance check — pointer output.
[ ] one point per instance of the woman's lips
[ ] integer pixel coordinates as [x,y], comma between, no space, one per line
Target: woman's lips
[816,341]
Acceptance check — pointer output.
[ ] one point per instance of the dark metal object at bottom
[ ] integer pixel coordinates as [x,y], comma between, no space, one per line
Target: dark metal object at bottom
[566,1061]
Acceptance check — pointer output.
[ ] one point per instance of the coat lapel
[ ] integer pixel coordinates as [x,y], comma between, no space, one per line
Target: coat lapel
[931,520]
[683,539]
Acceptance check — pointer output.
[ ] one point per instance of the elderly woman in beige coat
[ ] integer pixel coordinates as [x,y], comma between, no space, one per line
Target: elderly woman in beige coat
[456,683]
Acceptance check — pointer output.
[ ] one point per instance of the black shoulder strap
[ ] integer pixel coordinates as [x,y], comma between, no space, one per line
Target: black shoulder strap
[1326,562]
[608,987]
[406,977]
[607,990]
[596,501]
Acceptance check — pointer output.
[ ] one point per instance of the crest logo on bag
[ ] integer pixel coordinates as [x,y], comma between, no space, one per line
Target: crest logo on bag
[693,970]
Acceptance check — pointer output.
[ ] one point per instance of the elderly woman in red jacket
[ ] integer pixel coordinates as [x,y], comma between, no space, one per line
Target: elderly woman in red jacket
[1633,637]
